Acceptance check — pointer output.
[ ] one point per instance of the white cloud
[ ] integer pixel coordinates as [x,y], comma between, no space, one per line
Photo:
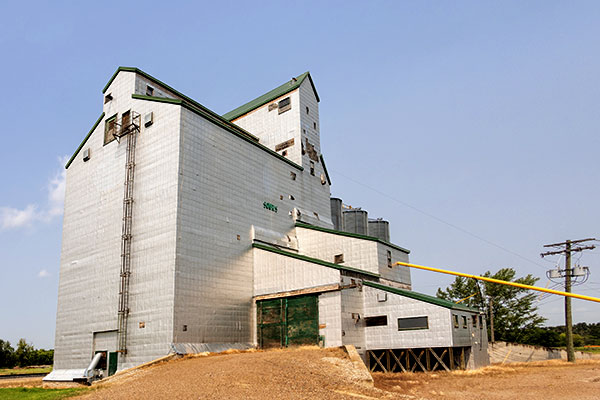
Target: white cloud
[43,273]
[14,218]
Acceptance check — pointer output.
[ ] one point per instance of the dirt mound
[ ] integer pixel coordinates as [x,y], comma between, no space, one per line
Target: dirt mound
[301,373]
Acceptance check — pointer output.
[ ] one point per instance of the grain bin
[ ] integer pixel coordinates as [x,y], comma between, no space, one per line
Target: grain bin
[336,213]
[356,221]
[379,229]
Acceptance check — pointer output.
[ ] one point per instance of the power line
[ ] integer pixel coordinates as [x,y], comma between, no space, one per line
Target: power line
[458,228]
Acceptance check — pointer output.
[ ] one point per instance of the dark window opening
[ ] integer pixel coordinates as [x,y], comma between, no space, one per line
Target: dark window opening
[272,106]
[480,322]
[315,125]
[149,90]
[109,129]
[307,110]
[125,121]
[185,328]
[338,258]
[389,259]
[455,320]
[464,322]
[102,363]
[293,176]
[108,98]
[284,153]
[380,320]
[285,105]
[312,168]
[413,323]
[474,320]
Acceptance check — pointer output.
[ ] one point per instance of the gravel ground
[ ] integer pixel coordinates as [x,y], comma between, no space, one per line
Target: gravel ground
[304,373]
[545,380]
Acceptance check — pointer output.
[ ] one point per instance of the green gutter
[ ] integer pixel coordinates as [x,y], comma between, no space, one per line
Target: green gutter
[314,260]
[219,122]
[421,297]
[177,93]
[325,169]
[353,235]
[84,140]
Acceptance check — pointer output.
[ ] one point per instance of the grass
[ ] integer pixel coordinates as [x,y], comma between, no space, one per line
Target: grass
[24,371]
[37,393]
[588,349]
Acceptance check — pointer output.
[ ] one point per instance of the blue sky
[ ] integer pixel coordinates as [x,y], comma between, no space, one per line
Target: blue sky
[483,115]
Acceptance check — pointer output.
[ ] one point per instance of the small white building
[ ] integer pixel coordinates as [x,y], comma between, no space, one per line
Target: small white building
[189,231]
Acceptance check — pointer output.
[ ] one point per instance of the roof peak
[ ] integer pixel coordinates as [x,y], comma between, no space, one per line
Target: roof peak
[271,95]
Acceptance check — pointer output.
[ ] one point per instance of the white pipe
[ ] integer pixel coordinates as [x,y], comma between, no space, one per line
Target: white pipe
[92,365]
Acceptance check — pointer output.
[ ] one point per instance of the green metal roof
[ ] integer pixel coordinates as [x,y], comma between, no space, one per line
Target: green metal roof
[183,96]
[421,297]
[313,260]
[190,104]
[350,234]
[270,96]
[228,126]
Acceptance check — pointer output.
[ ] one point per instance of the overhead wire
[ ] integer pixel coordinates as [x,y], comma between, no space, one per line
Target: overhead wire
[440,220]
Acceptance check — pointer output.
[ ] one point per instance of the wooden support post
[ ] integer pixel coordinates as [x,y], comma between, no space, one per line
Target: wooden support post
[387,359]
[399,363]
[451,353]
[462,359]
[440,360]
[427,361]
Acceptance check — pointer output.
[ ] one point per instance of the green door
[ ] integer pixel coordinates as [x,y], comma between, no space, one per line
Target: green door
[288,321]
[113,358]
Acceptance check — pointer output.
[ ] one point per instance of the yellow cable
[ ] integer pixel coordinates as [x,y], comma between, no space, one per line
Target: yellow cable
[492,280]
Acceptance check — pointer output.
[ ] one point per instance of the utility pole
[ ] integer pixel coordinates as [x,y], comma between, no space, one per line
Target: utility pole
[492,318]
[568,249]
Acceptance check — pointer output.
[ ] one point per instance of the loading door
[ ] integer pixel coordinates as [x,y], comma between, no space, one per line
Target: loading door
[113,358]
[288,321]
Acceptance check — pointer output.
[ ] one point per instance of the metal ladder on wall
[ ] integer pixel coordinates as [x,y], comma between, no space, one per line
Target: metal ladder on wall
[130,127]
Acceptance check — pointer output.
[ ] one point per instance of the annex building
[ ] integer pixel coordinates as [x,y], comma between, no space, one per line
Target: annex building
[188,231]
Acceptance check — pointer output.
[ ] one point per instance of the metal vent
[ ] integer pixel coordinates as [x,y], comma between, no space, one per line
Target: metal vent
[148,119]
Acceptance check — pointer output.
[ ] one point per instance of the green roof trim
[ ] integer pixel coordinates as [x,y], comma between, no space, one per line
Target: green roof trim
[228,126]
[325,169]
[350,234]
[313,260]
[279,91]
[421,297]
[84,140]
[177,93]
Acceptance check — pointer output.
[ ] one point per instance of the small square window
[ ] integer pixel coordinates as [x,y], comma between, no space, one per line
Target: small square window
[285,105]
[293,175]
[315,125]
[185,328]
[149,90]
[272,106]
[338,258]
[108,98]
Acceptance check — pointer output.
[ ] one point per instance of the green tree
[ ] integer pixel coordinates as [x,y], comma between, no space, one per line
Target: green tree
[24,353]
[7,355]
[513,308]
